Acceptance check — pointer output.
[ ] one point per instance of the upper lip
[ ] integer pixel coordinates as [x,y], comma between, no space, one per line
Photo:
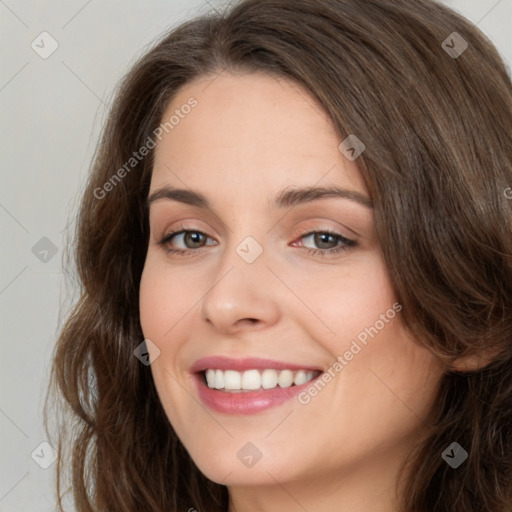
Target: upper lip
[248,363]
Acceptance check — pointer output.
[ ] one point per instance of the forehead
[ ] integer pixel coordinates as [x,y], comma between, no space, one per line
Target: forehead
[250,131]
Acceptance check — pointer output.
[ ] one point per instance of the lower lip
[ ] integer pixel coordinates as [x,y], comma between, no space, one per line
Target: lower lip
[246,402]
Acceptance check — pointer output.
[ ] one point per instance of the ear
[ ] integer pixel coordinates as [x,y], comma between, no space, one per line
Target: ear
[471,363]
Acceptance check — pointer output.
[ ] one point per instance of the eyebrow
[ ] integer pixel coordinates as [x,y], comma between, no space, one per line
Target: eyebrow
[285,199]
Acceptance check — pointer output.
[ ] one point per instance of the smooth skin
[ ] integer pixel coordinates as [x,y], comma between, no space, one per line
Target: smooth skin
[250,137]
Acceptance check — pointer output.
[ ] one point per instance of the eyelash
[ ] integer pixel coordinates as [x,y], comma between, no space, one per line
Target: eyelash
[346,243]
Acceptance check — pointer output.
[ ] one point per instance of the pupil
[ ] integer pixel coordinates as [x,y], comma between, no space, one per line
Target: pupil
[322,238]
[194,238]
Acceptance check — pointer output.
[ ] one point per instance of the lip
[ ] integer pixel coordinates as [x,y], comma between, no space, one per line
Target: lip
[245,402]
[250,363]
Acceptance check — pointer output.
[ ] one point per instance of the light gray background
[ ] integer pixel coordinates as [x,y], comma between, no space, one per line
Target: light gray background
[52,113]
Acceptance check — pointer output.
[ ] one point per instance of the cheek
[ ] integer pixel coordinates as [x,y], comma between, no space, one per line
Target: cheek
[152,304]
[165,297]
[164,302]
[346,302]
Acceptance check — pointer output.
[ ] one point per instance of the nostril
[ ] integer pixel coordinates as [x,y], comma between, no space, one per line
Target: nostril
[248,320]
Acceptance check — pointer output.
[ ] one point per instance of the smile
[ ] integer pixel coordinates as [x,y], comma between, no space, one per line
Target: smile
[249,386]
[251,380]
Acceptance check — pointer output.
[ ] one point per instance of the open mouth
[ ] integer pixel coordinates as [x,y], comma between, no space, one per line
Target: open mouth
[256,379]
[244,386]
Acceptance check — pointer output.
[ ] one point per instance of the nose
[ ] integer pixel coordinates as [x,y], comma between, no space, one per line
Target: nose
[242,295]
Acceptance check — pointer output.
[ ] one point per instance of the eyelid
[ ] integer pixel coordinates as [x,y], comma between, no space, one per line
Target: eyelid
[183,225]
[302,232]
[346,243]
[299,233]
[168,235]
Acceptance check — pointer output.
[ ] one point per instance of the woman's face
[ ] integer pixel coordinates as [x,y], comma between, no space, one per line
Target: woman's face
[264,292]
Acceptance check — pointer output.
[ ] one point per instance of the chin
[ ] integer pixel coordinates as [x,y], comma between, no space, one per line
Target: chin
[239,464]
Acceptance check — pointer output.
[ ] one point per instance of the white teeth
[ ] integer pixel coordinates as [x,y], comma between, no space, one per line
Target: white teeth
[210,378]
[251,380]
[219,379]
[285,379]
[232,380]
[300,378]
[269,379]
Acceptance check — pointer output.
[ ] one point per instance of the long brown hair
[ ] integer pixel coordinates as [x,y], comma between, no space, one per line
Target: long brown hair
[436,119]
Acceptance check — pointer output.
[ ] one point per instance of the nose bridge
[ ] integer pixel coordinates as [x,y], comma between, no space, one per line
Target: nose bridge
[243,288]
[246,246]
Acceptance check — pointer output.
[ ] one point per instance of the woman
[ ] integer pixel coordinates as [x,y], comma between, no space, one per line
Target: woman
[295,253]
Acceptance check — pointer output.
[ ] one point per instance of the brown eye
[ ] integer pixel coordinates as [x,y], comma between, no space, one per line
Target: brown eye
[326,240]
[322,239]
[193,239]
[184,241]
[325,243]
